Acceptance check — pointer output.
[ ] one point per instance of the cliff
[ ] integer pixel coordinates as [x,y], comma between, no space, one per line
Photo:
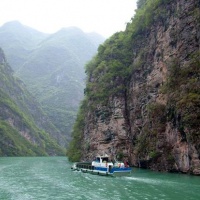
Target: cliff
[142,99]
[24,128]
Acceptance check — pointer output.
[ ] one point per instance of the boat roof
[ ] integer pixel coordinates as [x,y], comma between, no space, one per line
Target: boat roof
[102,156]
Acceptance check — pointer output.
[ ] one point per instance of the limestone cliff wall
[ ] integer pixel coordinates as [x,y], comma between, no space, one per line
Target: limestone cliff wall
[141,124]
[175,39]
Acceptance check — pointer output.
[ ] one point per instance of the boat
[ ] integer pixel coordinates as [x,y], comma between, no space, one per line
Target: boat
[103,166]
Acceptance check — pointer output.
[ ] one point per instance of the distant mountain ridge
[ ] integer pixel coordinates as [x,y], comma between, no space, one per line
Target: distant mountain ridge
[52,67]
[18,41]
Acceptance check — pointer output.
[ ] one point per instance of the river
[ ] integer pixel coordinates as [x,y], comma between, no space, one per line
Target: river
[50,178]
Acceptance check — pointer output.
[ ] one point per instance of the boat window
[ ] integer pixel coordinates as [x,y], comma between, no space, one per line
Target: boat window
[105,160]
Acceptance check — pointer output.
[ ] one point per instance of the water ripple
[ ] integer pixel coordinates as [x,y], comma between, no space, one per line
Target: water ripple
[51,179]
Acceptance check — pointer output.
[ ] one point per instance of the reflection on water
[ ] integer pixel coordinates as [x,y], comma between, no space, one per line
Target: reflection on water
[50,178]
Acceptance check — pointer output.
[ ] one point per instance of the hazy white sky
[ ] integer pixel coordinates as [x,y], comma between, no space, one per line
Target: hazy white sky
[102,16]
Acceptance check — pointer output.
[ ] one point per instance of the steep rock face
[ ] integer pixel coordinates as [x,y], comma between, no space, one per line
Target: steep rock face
[152,123]
[176,39]
[107,131]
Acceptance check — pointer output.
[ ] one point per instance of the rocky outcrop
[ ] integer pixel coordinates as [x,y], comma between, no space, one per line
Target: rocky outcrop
[155,123]
[107,131]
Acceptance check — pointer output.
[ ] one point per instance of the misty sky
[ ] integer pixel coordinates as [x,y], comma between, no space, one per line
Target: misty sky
[102,16]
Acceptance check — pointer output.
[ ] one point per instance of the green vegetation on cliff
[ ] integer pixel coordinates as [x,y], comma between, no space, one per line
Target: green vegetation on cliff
[110,69]
[13,144]
[113,65]
[19,134]
[183,91]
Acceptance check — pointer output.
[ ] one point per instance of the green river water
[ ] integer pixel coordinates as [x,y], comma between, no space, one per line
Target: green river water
[50,178]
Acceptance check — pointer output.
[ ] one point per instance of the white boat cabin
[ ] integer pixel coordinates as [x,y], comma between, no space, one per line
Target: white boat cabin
[102,161]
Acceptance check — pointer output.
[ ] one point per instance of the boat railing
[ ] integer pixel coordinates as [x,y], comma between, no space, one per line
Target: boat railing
[85,166]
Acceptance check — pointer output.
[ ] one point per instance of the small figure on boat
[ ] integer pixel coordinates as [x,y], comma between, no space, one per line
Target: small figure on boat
[126,163]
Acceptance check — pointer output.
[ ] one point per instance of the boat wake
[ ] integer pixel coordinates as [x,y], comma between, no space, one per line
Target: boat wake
[145,180]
